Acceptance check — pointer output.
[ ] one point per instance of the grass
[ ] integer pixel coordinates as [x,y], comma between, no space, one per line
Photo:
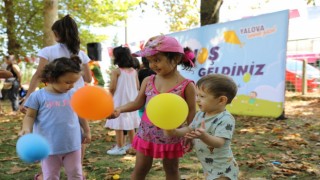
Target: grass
[258,145]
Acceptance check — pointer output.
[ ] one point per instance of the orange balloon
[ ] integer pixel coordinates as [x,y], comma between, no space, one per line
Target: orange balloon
[92,103]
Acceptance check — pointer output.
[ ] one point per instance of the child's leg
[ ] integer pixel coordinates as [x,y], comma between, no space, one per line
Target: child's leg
[72,165]
[125,132]
[142,166]
[131,134]
[83,150]
[119,138]
[51,167]
[171,168]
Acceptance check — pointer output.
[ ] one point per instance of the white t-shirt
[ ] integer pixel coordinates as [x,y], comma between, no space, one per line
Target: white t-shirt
[59,50]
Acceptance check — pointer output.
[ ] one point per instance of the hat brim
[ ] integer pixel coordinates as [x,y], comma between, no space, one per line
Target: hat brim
[145,52]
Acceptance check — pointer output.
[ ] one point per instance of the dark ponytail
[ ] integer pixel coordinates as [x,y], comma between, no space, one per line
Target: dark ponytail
[67,30]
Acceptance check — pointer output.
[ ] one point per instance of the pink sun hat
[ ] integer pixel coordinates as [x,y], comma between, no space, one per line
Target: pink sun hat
[159,44]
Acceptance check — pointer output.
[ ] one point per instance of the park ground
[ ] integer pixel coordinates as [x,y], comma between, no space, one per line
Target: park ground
[265,148]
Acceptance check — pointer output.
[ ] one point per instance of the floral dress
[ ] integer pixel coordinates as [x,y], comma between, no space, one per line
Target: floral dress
[150,139]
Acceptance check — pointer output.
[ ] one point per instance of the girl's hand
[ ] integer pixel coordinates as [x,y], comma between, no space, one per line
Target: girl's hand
[187,145]
[22,108]
[23,132]
[169,133]
[197,133]
[116,113]
[86,137]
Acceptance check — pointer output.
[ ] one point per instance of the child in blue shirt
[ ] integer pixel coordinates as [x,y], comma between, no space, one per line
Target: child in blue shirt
[49,114]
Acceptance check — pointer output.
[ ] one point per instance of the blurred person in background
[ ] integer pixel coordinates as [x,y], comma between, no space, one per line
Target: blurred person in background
[13,92]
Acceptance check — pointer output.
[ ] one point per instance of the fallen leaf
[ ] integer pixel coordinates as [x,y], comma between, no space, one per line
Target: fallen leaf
[314,137]
[108,138]
[9,158]
[277,130]
[16,169]
[157,166]
[129,158]
[92,160]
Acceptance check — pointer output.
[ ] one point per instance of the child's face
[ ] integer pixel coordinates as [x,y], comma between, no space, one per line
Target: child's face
[252,95]
[208,103]
[66,82]
[160,64]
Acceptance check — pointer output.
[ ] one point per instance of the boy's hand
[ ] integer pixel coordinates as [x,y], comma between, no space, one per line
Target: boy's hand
[197,133]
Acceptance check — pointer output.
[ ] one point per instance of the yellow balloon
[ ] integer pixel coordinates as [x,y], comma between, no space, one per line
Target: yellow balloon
[167,110]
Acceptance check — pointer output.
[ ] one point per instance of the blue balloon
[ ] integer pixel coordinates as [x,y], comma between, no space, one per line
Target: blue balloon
[32,148]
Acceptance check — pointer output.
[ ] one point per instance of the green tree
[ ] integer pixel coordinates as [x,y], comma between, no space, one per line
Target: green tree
[182,14]
[50,15]
[209,11]
[22,22]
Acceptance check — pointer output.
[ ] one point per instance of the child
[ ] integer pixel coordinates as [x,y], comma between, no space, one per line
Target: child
[164,54]
[66,33]
[49,114]
[143,73]
[124,86]
[212,127]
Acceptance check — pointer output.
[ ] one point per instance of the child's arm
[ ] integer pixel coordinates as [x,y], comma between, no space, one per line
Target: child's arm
[28,121]
[137,82]
[206,138]
[87,76]
[17,71]
[133,105]
[113,80]
[86,130]
[34,82]
[190,94]
[177,132]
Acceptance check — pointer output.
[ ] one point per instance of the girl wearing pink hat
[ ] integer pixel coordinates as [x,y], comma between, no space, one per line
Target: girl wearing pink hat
[164,54]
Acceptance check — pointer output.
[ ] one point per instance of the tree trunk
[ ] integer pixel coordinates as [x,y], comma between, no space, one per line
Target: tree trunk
[50,14]
[13,45]
[209,11]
